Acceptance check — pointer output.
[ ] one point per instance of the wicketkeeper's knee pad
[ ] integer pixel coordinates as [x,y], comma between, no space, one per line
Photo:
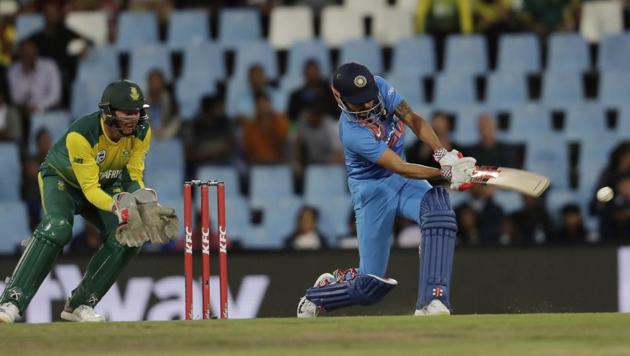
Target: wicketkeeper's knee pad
[365,289]
[54,228]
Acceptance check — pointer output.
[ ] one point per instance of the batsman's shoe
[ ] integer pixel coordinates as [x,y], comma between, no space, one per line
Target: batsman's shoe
[8,313]
[435,307]
[306,308]
[81,314]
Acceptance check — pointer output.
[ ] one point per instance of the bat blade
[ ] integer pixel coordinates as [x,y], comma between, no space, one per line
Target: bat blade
[517,180]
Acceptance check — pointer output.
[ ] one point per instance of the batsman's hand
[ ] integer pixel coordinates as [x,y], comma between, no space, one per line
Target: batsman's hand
[160,222]
[446,159]
[130,231]
[462,171]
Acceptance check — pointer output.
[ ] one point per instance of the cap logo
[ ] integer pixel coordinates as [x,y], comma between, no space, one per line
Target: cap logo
[134,94]
[360,81]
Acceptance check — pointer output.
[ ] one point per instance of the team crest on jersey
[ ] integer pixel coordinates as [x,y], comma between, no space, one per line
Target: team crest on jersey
[100,156]
[125,154]
[61,185]
[134,94]
[360,81]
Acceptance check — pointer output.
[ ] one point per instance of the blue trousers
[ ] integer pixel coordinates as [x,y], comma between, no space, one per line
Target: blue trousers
[376,203]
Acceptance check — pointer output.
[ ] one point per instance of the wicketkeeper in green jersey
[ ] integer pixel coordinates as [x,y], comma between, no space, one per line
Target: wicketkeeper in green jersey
[95,170]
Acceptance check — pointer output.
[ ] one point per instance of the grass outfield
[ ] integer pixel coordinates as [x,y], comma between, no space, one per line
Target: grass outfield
[531,334]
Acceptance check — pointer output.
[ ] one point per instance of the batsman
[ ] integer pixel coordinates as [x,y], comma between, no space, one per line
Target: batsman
[95,170]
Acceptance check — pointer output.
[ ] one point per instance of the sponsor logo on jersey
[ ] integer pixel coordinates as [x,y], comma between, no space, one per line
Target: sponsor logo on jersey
[61,185]
[110,174]
[100,156]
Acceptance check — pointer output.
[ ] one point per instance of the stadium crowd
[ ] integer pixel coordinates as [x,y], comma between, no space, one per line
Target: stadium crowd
[263,121]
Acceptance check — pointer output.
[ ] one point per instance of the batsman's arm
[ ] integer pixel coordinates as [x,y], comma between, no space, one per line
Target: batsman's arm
[135,166]
[418,125]
[390,160]
[86,170]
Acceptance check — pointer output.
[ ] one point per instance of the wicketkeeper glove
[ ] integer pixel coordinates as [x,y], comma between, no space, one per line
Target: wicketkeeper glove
[130,231]
[161,223]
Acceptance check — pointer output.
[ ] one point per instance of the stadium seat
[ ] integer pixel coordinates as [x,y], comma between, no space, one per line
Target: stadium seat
[99,63]
[255,52]
[168,183]
[409,86]
[568,52]
[165,155]
[454,90]
[269,183]
[237,213]
[86,95]
[365,51]
[407,5]
[301,52]
[11,173]
[584,120]
[280,217]
[15,226]
[238,25]
[189,92]
[614,53]
[556,199]
[519,53]
[27,24]
[144,59]
[333,217]
[289,24]
[56,122]
[466,54]
[505,90]
[187,27]
[136,28]
[324,181]
[547,154]
[562,88]
[466,130]
[93,25]
[414,56]
[509,201]
[226,174]
[623,120]
[527,121]
[204,61]
[392,25]
[339,25]
[257,238]
[614,88]
[366,7]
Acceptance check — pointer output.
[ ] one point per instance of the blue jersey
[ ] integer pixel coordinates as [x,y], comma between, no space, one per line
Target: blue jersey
[364,143]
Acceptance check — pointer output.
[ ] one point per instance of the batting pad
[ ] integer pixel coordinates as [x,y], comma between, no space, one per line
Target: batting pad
[365,289]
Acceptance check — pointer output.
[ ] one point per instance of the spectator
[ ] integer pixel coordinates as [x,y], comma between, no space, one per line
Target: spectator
[571,230]
[544,17]
[489,151]
[531,224]
[89,243]
[306,236]
[480,219]
[10,122]
[422,153]
[615,217]
[34,82]
[350,240]
[61,44]
[494,18]
[265,137]
[209,139]
[246,100]
[30,185]
[618,165]
[165,121]
[315,90]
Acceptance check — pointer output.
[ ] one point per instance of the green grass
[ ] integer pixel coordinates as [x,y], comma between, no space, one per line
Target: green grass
[531,334]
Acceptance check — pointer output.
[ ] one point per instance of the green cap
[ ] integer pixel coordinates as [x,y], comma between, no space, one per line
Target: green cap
[123,94]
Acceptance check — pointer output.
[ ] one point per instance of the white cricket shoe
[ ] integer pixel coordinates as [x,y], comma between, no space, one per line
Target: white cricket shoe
[8,313]
[308,309]
[82,314]
[435,307]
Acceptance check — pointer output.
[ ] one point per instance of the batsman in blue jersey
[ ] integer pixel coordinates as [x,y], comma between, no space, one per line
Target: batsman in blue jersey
[384,186]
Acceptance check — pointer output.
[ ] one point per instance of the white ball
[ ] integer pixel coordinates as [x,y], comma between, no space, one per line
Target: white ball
[605,195]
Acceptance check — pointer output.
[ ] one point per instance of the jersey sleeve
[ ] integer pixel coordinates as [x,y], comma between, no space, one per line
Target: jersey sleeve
[362,142]
[391,97]
[86,170]
[135,166]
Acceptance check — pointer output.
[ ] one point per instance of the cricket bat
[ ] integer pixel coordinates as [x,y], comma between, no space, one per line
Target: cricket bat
[517,180]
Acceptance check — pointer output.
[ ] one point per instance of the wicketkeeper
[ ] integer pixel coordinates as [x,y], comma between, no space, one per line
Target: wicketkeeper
[95,170]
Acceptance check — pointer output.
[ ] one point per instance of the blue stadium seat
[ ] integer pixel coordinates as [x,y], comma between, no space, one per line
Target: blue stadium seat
[568,52]
[557,199]
[166,155]
[189,91]
[136,28]
[365,51]
[56,122]
[519,53]
[100,62]
[187,27]
[255,52]
[584,120]
[414,56]
[324,181]
[409,86]
[509,201]
[239,25]
[454,90]
[269,183]
[562,88]
[143,59]
[280,217]
[289,24]
[614,88]
[527,121]
[466,130]
[333,217]
[86,95]
[15,226]
[204,61]
[547,154]
[466,54]
[168,183]
[614,52]
[27,24]
[257,238]
[505,90]
[227,174]
[623,121]
[301,52]
[11,173]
